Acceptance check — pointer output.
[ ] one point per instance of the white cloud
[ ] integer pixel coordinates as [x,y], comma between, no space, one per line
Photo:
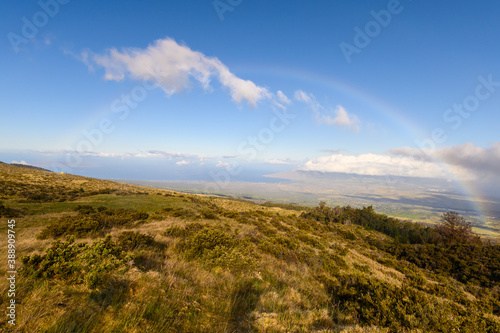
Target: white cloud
[20,162]
[147,154]
[173,67]
[282,97]
[281,100]
[172,155]
[181,163]
[221,164]
[375,165]
[338,117]
[341,119]
[333,151]
[301,96]
[280,161]
[468,160]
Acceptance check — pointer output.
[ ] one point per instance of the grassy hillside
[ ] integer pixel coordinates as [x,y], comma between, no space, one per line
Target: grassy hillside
[99,256]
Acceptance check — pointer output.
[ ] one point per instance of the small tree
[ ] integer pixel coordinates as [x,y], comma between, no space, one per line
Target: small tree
[454,229]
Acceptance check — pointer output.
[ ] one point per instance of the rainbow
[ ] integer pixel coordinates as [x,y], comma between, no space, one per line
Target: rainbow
[382,107]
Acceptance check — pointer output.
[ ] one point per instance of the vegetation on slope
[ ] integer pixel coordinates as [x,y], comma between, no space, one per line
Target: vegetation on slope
[139,259]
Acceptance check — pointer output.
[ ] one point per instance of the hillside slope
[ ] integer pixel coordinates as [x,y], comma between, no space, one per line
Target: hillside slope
[100,256]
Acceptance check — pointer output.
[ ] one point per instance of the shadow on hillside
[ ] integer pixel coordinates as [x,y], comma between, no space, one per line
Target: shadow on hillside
[244,299]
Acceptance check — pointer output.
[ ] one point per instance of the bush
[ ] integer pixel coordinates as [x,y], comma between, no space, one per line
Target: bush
[206,240]
[87,210]
[37,193]
[91,222]
[176,231]
[130,240]
[403,232]
[209,215]
[9,212]
[77,263]
[475,263]
[215,247]
[368,301]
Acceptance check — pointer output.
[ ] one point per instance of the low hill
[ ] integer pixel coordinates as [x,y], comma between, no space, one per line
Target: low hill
[29,167]
[99,256]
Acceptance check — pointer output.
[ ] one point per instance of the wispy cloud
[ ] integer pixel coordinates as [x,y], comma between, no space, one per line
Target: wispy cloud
[332,151]
[172,155]
[281,100]
[338,117]
[301,96]
[146,154]
[183,162]
[221,164]
[282,97]
[173,67]
[280,161]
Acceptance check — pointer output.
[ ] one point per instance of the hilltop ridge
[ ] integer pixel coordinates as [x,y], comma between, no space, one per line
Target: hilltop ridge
[100,256]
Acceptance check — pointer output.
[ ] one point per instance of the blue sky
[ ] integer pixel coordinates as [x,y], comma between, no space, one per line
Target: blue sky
[178,89]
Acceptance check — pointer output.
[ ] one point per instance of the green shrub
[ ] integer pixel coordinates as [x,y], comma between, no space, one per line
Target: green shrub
[92,222]
[9,212]
[188,229]
[310,240]
[230,214]
[131,240]
[77,263]
[209,215]
[404,232]
[215,247]
[87,209]
[347,234]
[332,262]
[205,240]
[368,301]
[475,263]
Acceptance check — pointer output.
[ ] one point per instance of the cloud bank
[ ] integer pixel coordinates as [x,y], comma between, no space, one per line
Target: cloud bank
[482,163]
[375,165]
[173,67]
[467,162]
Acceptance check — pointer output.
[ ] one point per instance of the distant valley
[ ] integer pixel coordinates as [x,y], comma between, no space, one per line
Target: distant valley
[418,199]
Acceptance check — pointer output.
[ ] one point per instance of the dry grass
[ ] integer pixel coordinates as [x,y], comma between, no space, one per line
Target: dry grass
[376,270]
[166,291]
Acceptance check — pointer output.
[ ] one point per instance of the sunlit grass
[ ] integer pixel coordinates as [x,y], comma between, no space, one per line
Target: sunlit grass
[201,264]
